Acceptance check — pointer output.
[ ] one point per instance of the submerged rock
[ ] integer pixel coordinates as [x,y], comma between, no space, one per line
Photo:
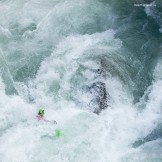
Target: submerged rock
[98,89]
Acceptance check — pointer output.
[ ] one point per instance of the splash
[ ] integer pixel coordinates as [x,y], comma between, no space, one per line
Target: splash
[94,67]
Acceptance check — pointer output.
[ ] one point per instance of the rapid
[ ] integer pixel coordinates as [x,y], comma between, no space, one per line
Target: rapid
[94,66]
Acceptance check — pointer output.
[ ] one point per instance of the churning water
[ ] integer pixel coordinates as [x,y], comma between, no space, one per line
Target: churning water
[95,66]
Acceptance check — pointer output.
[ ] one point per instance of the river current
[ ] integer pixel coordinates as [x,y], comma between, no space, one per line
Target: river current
[94,66]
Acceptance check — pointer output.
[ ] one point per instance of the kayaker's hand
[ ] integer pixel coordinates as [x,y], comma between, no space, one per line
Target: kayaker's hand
[54,122]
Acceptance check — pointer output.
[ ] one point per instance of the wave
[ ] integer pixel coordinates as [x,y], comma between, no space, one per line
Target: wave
[94,66]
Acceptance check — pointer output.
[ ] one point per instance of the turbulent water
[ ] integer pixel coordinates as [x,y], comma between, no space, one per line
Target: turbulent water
[94,66]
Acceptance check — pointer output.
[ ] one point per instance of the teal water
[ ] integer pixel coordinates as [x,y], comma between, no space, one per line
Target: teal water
[57,55]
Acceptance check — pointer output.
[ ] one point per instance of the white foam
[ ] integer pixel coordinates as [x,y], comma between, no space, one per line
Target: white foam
[58,88]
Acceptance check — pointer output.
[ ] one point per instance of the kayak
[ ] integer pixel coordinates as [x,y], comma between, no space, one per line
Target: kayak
[58,133]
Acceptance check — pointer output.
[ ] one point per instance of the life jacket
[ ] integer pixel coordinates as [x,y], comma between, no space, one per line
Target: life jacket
[39,117]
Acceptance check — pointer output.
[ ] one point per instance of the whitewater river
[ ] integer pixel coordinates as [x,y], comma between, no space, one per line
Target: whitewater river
[94,66]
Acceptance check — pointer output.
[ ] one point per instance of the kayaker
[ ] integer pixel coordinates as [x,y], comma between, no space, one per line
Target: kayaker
[40,116]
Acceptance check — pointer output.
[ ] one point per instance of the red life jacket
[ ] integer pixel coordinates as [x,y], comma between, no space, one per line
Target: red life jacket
[39,117]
